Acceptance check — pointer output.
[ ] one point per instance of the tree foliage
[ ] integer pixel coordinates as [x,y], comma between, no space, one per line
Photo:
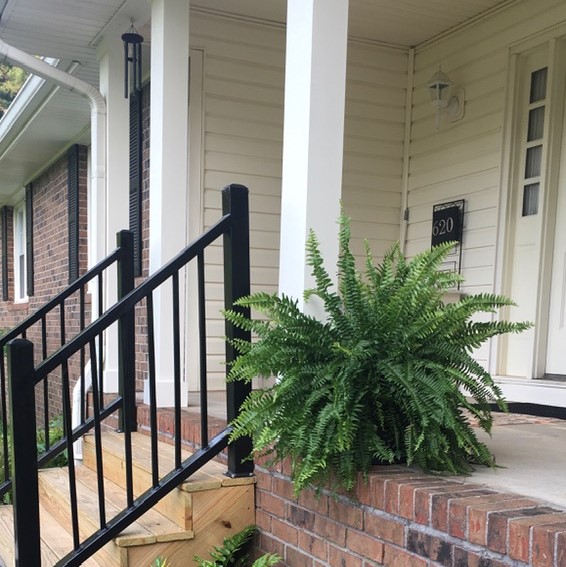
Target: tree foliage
[389,376]
[11,81]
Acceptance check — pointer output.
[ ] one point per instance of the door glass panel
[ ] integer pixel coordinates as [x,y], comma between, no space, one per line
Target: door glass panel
[533,163]
[538,85]
[536,124]
[530,199]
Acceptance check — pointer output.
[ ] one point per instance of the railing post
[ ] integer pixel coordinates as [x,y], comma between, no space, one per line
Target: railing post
[21,374]
[126,334]
[236,285]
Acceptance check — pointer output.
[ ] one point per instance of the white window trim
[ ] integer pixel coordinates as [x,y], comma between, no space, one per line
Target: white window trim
[20,251]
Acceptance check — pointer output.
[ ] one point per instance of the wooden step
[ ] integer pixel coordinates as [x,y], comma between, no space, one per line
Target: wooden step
[56,542]
[209,503]
[152,535]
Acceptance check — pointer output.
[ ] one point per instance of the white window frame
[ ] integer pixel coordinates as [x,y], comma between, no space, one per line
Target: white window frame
[20,254]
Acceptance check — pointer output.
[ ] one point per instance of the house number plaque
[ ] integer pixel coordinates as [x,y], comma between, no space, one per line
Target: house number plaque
[447,221]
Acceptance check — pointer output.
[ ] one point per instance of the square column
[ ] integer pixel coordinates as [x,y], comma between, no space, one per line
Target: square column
[313,142]
[111,60]
[168,170]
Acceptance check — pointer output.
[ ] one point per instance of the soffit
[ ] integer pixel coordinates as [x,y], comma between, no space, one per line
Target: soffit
[70,30]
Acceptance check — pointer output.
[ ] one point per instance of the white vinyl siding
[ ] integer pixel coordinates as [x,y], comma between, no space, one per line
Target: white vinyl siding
[243,141]
[463,160]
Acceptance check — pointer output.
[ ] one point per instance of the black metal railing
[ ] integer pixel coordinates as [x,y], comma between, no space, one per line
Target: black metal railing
[24,378]
[51,326]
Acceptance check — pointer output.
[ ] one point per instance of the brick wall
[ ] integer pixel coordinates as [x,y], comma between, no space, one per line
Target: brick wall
[51,264]
[403,518]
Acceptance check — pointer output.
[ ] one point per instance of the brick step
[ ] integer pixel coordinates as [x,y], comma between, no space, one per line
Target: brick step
[152,535]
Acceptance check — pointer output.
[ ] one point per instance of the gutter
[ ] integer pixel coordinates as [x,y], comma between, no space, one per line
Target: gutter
[97,219]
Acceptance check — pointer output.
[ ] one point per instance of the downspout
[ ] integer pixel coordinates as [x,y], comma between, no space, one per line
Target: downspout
[407,150]
[98,172]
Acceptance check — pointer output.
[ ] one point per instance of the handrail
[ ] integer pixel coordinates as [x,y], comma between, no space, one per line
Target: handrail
[121,256]
[24,378]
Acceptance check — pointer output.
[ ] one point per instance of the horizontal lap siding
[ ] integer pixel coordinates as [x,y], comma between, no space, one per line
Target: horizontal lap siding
[373,146]
[463,159]
[244,73]
[243,143]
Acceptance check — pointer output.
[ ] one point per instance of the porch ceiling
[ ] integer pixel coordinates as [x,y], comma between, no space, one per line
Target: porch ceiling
[70,30]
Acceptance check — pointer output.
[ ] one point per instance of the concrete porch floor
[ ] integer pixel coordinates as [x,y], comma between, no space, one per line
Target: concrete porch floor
[530,452]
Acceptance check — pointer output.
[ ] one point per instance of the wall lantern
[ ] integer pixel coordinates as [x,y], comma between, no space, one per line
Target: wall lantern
[447,98]
[132,56]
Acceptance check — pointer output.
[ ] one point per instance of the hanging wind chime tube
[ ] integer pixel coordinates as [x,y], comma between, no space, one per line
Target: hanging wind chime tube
[132,56]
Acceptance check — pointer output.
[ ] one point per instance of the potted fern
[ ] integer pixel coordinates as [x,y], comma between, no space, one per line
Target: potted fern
[390,375]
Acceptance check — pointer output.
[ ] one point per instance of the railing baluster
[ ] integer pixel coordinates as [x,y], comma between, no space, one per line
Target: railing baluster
[82,320]
[45,384]
[236,285]
[98,441]
[203,382]
[152,390]
[126,334]
[24,453]
[100,341]
[177,368]
[70,452]
[5,447]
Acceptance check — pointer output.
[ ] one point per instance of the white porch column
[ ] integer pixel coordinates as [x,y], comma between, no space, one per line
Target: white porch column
[168,168]
[111,59]
[315,84]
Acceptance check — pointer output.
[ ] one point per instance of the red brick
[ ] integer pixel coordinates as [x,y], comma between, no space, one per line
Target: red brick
[478,519]
[313,545]
[373,494]
[430,547]
[364,545]
[316,502]
[498,523]
[269,544]
[440,504]
[395,557]
[304,519]
[330,530]
[263,480]
[561,548]
[340,558]
[458,512]
[422,498]
[269,503]
[263,520]
[407,494]
[284,489]
[463,558]
[295,558]
[346,513]
[544,541]
[520,531]
[384,528]
[284,531]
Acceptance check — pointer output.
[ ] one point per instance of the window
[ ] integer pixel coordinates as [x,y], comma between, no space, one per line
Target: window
[534,142]
[20,273]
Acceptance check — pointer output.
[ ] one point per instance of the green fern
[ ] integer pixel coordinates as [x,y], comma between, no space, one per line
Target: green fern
[389,376]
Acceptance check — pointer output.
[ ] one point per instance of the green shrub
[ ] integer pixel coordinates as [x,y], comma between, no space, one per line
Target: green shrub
[389,376]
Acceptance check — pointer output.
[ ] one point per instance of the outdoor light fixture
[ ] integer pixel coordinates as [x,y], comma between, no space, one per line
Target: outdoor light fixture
[446,97]
[132,56]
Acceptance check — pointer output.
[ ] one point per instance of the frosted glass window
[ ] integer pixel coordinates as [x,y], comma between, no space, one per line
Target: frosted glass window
[533,162]
[530,199]
[20,253]
[536,124]
[538,85]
